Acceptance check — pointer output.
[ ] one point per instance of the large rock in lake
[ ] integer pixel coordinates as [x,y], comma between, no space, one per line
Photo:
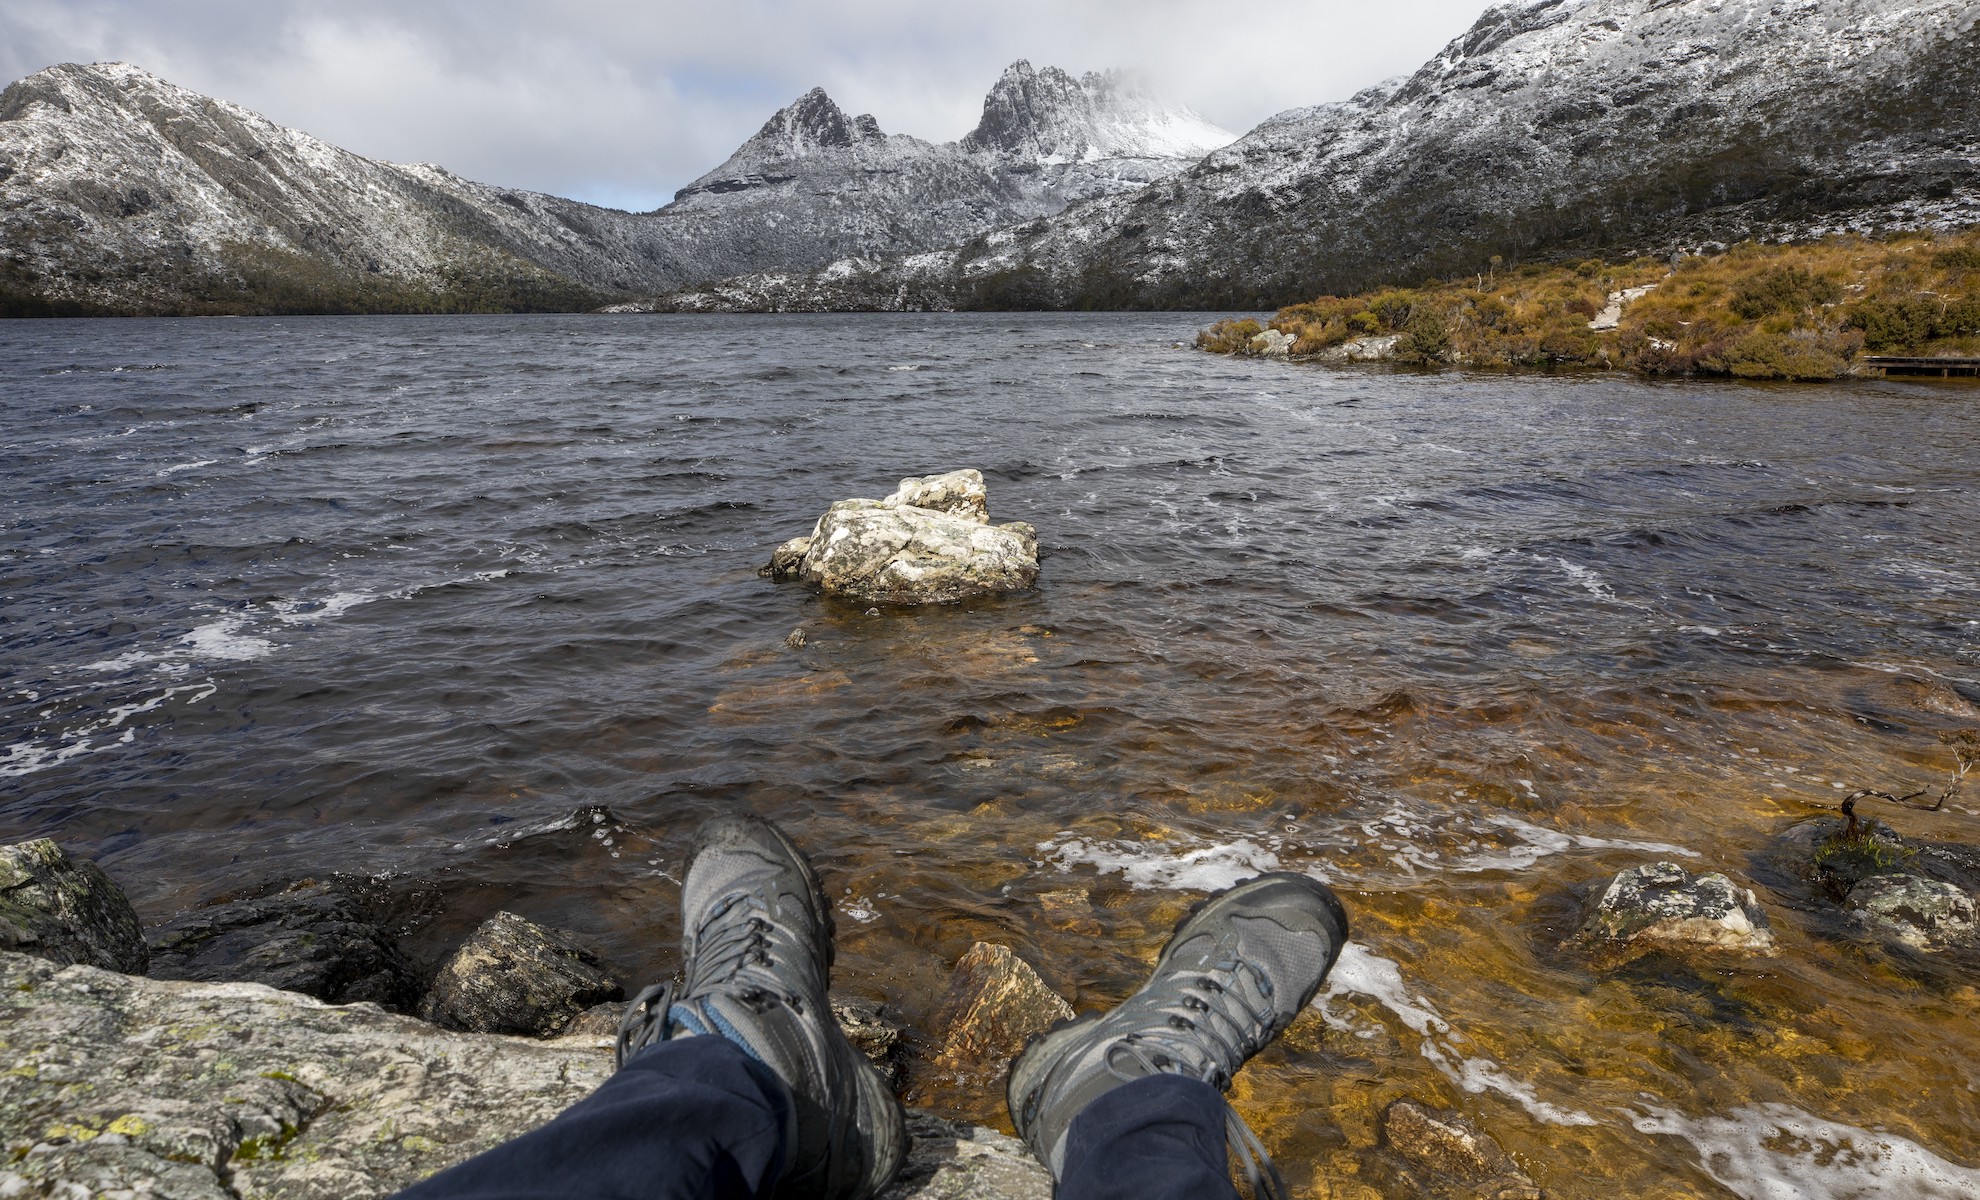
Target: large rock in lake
[66,910]
[124,1086]
[930,541]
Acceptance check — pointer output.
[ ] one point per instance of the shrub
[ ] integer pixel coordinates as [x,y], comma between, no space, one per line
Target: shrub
[1959,258]
[1393,309]
[1802,355]
[1897,322]
[1426,340]
[1229,336]
[1783,289]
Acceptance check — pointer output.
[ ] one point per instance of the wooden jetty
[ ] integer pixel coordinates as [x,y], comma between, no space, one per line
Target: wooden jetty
[1932,368]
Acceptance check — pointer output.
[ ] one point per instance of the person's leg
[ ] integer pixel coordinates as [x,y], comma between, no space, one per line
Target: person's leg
[1155,1137]
[1127,1103]
[738,1084]
[694,1119]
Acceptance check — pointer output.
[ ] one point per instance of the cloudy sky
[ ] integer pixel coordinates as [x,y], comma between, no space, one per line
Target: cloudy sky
[622,101]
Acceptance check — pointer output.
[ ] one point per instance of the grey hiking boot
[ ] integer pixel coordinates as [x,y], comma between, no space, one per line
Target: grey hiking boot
[758,941]
[1235,973]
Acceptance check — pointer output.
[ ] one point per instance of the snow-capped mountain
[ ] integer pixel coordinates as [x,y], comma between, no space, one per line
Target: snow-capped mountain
[120,191]
[1551,127]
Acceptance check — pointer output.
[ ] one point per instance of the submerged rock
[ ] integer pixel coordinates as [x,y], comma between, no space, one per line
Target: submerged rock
[928,542]
[66,910]
[140,1087]
[1447,1153]
[514,976]
[310,937]
[1664,904]
[1925,914]
[994,1003]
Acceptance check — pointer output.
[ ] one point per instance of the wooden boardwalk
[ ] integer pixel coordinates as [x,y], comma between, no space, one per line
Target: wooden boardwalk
[1933,368]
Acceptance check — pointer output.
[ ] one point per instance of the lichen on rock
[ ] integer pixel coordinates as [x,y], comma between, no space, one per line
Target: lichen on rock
[201,1091]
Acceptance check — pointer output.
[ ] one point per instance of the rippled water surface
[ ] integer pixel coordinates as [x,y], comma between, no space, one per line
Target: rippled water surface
[475,601]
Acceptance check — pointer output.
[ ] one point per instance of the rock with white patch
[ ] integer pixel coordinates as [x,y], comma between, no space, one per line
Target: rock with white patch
[1662,904]
[928,542]
[1925,914]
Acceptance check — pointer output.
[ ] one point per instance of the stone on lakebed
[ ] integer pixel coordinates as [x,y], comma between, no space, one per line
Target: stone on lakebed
[995,1002]
[929,542]
[1663,904]
[1925,914]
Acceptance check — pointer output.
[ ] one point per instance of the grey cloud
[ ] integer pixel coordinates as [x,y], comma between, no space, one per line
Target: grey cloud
[622,102]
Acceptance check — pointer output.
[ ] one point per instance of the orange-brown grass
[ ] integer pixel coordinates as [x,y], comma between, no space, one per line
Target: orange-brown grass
[1754,311]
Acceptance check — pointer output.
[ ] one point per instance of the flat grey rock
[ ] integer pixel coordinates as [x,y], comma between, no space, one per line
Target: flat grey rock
[202,1091]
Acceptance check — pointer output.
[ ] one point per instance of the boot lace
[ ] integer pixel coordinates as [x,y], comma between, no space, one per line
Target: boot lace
[1219,1028]
[733,956]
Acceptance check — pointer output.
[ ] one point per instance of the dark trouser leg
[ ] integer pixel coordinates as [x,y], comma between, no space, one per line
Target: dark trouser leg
[1159,1138]
[691,1119]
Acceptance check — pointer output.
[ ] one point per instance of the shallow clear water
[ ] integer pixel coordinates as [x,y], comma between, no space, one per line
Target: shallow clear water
[408,595]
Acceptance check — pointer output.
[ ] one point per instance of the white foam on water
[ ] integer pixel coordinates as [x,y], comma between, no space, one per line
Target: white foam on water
[223,641]
[1405,835]
[1360,971]
[187,466]
[128,660]
[1779,1152]
[291,612]
[25,758]
[1156,865]
[860,909]
[1590,582]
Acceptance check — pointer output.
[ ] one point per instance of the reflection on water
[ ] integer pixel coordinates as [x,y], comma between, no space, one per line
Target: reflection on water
[475,601]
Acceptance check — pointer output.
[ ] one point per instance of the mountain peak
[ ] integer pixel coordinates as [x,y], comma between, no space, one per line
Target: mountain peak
[1049,116]
[812,122]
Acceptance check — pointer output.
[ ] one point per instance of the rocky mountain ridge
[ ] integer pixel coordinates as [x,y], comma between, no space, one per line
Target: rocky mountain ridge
[1551,127]
[122,192]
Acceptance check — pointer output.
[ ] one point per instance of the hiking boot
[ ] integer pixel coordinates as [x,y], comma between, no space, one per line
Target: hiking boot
[1235,973]
[758,944]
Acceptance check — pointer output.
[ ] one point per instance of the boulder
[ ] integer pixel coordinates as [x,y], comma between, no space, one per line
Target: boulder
[958,493]
[1447,1154]
[66,910]
[141,1087]
[1663,904]
[1925,914]
[1272,344]
[995,1002]
[313,937]
[928,542]
[514,976]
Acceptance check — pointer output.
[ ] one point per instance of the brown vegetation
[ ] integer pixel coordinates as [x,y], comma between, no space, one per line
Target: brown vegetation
[1754,311]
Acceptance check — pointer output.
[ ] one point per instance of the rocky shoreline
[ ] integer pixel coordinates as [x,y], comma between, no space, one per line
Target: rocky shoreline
[216,1089]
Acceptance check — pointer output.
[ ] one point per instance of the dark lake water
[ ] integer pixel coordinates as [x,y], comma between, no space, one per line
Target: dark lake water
[474,601]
